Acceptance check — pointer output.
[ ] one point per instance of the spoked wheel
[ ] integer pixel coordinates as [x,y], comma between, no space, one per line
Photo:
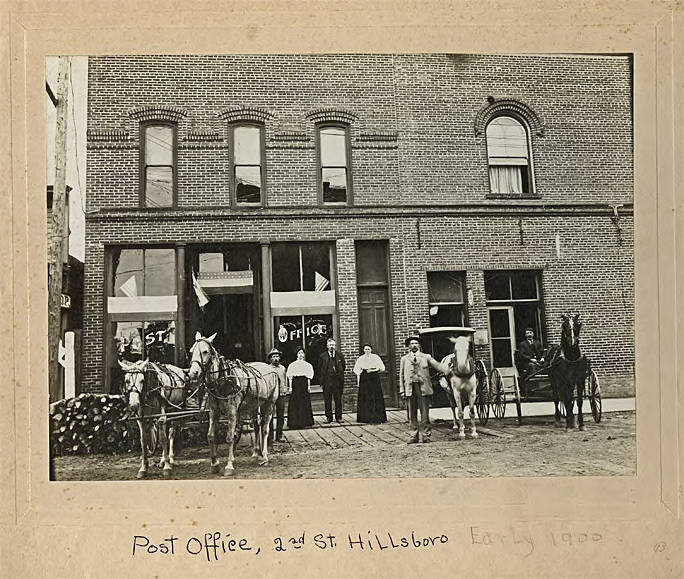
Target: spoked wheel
[498,394]
[594,395]
[482,400]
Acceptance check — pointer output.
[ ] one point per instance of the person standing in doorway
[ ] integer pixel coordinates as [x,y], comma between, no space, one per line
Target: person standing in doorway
[415,387]
[283,392]
[331,365]
[370,404]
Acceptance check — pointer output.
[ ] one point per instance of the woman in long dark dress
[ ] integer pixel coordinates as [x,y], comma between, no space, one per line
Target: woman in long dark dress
[299,375]
[371,404]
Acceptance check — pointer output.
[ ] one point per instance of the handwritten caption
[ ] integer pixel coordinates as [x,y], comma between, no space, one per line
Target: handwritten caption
[214,545]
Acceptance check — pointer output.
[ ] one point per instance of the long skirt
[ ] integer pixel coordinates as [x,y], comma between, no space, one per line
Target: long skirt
[371,404]
[299,413]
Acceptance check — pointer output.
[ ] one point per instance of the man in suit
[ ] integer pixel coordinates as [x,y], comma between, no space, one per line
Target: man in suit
[415,386]
[530,354]
[331,365]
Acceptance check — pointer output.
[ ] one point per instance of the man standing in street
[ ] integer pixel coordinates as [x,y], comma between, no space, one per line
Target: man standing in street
[283,394]
[331,367]
[415,387]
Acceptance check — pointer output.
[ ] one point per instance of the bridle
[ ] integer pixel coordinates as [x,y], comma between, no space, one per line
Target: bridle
[203,367]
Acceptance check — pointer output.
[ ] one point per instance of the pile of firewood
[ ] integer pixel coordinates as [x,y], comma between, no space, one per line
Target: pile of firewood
[91,423]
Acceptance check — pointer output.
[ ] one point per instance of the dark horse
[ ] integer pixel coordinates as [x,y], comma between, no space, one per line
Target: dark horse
[567,368]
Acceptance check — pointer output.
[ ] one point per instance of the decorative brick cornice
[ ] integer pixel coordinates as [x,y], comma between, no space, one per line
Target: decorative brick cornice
[150,113]
[502,106]
[242,113]
[107,135]
[324,115]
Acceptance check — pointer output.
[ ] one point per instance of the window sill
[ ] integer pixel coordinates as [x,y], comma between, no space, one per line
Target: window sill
[507,196]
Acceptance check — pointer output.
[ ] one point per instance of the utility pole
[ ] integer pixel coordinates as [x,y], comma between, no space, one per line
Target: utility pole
[55,249]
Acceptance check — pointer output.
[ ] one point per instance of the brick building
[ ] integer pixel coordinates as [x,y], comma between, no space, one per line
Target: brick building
[358,196]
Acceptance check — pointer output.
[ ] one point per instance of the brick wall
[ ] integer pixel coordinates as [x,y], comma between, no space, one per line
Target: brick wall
[415,145]
[413,133]
[593,275]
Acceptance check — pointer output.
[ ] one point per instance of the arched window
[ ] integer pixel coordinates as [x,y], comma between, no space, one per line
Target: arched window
[158,164]
[509,158]
[247,164]
[333,171]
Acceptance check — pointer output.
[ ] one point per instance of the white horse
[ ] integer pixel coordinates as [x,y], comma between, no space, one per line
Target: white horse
[461,380]
[231,386]
[147,400]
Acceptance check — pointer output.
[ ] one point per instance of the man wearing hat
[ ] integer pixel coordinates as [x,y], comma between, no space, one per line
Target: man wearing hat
[274,360]
[529,356]
[415,386]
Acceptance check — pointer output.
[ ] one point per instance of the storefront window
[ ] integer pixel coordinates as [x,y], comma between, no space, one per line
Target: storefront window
[310,332]
[134,341]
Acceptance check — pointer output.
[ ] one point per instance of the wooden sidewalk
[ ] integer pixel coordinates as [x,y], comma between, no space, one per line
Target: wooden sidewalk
[324,436]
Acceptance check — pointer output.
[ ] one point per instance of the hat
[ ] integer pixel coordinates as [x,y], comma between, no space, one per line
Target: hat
[274,351]
[407,340]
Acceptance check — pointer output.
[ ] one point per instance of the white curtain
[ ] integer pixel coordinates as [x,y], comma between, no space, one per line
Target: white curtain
[505,180]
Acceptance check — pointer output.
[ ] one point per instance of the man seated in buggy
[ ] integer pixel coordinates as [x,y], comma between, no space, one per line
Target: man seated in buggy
[529,357]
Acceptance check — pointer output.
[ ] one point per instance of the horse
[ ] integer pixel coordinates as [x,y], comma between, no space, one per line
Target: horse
[233,386]
[147,400]
[460,381]
[567,369]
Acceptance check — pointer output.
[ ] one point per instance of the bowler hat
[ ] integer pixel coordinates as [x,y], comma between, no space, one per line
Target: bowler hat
[274,351]
[408,340]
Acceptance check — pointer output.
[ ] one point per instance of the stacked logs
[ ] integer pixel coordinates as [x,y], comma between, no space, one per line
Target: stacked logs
[91,423]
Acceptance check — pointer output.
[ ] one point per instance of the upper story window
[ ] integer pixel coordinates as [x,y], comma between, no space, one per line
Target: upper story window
[333,157]
[247,164]
[158,164]
[509,158]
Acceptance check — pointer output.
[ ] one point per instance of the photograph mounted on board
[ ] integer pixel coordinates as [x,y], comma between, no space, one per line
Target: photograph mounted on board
[340,266]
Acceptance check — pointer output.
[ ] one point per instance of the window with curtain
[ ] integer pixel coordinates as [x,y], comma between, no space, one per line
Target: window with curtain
[508,154]
[333,163]
[247,164]
[158,164]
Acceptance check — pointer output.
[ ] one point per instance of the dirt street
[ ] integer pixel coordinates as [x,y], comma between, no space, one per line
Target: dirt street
[364,451]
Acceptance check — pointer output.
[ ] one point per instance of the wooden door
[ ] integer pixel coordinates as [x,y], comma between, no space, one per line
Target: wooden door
[374,329]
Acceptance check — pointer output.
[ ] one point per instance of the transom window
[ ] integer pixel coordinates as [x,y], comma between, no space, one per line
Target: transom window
[301,267]
[159,160]
[508,154]
[247,164]
[333,164]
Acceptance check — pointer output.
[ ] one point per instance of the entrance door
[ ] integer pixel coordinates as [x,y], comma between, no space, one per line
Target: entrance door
[502,336]
[374,329]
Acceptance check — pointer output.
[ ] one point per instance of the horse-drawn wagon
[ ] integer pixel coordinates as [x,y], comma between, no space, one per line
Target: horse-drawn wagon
[439,343]
[564,370]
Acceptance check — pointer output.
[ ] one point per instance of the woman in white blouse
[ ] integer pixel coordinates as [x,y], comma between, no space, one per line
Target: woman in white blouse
[371,404]
[299,375]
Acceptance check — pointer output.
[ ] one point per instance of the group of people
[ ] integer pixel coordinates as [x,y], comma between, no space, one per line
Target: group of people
[295,380]
[415,385]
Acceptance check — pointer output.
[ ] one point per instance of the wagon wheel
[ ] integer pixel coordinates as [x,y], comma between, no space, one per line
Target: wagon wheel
[594,395]
[498,395]
[482,401]
[518,405]
[152,436]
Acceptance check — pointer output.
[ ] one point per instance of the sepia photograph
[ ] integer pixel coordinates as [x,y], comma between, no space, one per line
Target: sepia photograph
[329,266]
